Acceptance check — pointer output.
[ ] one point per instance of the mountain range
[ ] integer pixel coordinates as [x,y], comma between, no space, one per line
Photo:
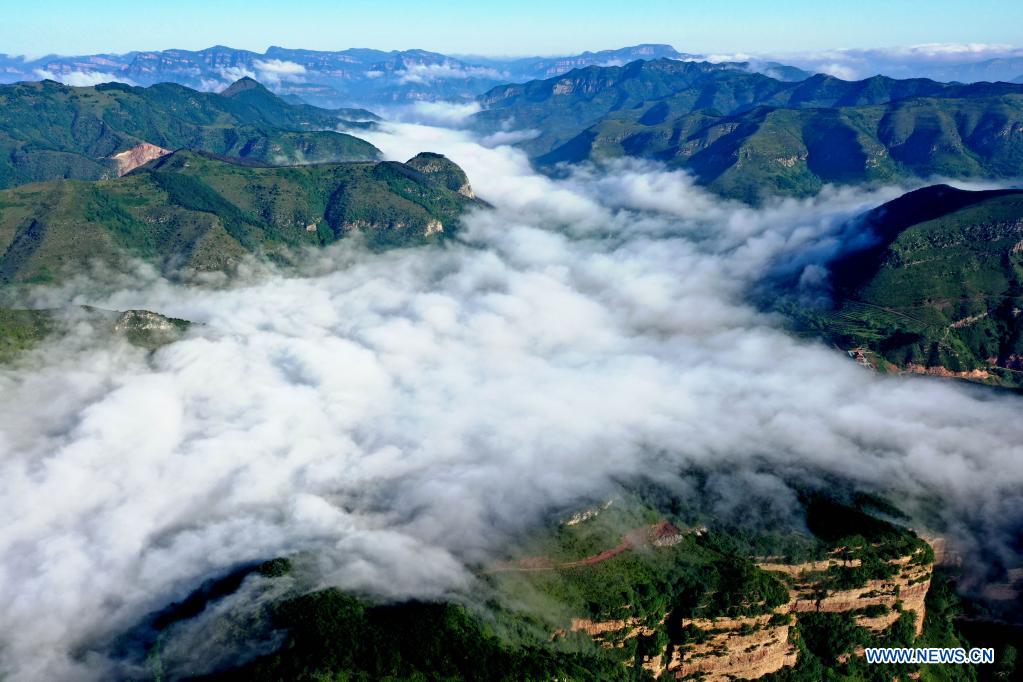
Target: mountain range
[325,78]
[378,77]
[189,181]
[937,289]
[629,591]
[50,131]
[749,136]
[196,212]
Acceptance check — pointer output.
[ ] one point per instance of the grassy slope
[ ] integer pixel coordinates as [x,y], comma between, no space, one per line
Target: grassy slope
[794,152]
[50,131]
[332,635]
[194,211]
[941,289]
[748,136]
[22,329]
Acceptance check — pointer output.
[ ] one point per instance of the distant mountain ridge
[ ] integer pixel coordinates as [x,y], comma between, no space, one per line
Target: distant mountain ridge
[50,131]
[195,211]
[749,136]
[364,76]
[329,78]
[938,290]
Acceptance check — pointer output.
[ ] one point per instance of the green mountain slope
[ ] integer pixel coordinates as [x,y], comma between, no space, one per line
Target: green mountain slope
[194,211]
[671,600]
[749,136]
[21,329]
[50,131]
[941,290]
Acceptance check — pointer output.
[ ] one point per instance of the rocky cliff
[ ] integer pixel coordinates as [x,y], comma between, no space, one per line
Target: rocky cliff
[139,155]
[749,647]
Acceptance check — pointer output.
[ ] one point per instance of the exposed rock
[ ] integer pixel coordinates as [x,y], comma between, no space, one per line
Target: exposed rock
[943,555]
[586,514]
[148,329]
[796,570]
[139,155]
[442,170]
[735,648]
[909,586]
[749,647]
[598,628]
[975,374]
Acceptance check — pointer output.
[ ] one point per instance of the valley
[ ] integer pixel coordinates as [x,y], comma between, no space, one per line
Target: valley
[645,365]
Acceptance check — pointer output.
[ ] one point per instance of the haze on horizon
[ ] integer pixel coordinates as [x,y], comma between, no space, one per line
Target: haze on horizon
[525,28]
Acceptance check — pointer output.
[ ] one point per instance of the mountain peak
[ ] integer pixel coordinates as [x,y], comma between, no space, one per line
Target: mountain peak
[241,85]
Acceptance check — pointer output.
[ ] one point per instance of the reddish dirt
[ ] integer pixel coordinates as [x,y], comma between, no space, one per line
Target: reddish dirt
[634,538]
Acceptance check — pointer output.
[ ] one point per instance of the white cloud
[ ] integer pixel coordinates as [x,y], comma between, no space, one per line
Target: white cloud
[427,73]
[449,114]
[80,79]
[719,58]
[509,137]
[269,72]
[230,74]
[941,61]
[280,67]
[842,71]
[403,414]
[275,71]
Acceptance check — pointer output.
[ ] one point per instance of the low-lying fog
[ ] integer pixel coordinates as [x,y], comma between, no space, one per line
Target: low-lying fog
[402,414]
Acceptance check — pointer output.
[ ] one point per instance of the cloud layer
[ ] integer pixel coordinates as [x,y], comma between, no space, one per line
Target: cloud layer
[403,414]
[80,79]
[967,62]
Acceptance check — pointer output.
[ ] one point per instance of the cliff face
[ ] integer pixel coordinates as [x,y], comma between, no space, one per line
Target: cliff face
[139,155]
[907,586]
[720,649]
[444,171]
[743,648]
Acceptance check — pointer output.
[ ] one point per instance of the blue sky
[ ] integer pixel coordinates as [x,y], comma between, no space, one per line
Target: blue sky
[521,27]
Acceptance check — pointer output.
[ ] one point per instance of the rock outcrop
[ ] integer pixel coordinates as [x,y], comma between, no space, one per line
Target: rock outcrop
[908,588]
[444,171]
[139,155]
[148,329]
[734,648]
[748,647]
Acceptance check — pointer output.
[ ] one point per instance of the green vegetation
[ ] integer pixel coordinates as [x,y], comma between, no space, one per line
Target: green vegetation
[442,170]
[49,131]
[941,287]
[22,329]
[515,623]
[197,212]
[333,636]
[749,136]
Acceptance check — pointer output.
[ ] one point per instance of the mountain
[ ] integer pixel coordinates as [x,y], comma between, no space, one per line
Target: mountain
[993,70]
[254,94]
[331,79]
[779,71]
[619,591]
[1018,79]
[531,68]
[748,136]
[945,63]
[50,131]
[193,211]
[938,290]
[21,329]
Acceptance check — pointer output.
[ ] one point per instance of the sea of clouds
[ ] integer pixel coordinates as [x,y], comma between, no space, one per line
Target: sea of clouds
[401,415]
